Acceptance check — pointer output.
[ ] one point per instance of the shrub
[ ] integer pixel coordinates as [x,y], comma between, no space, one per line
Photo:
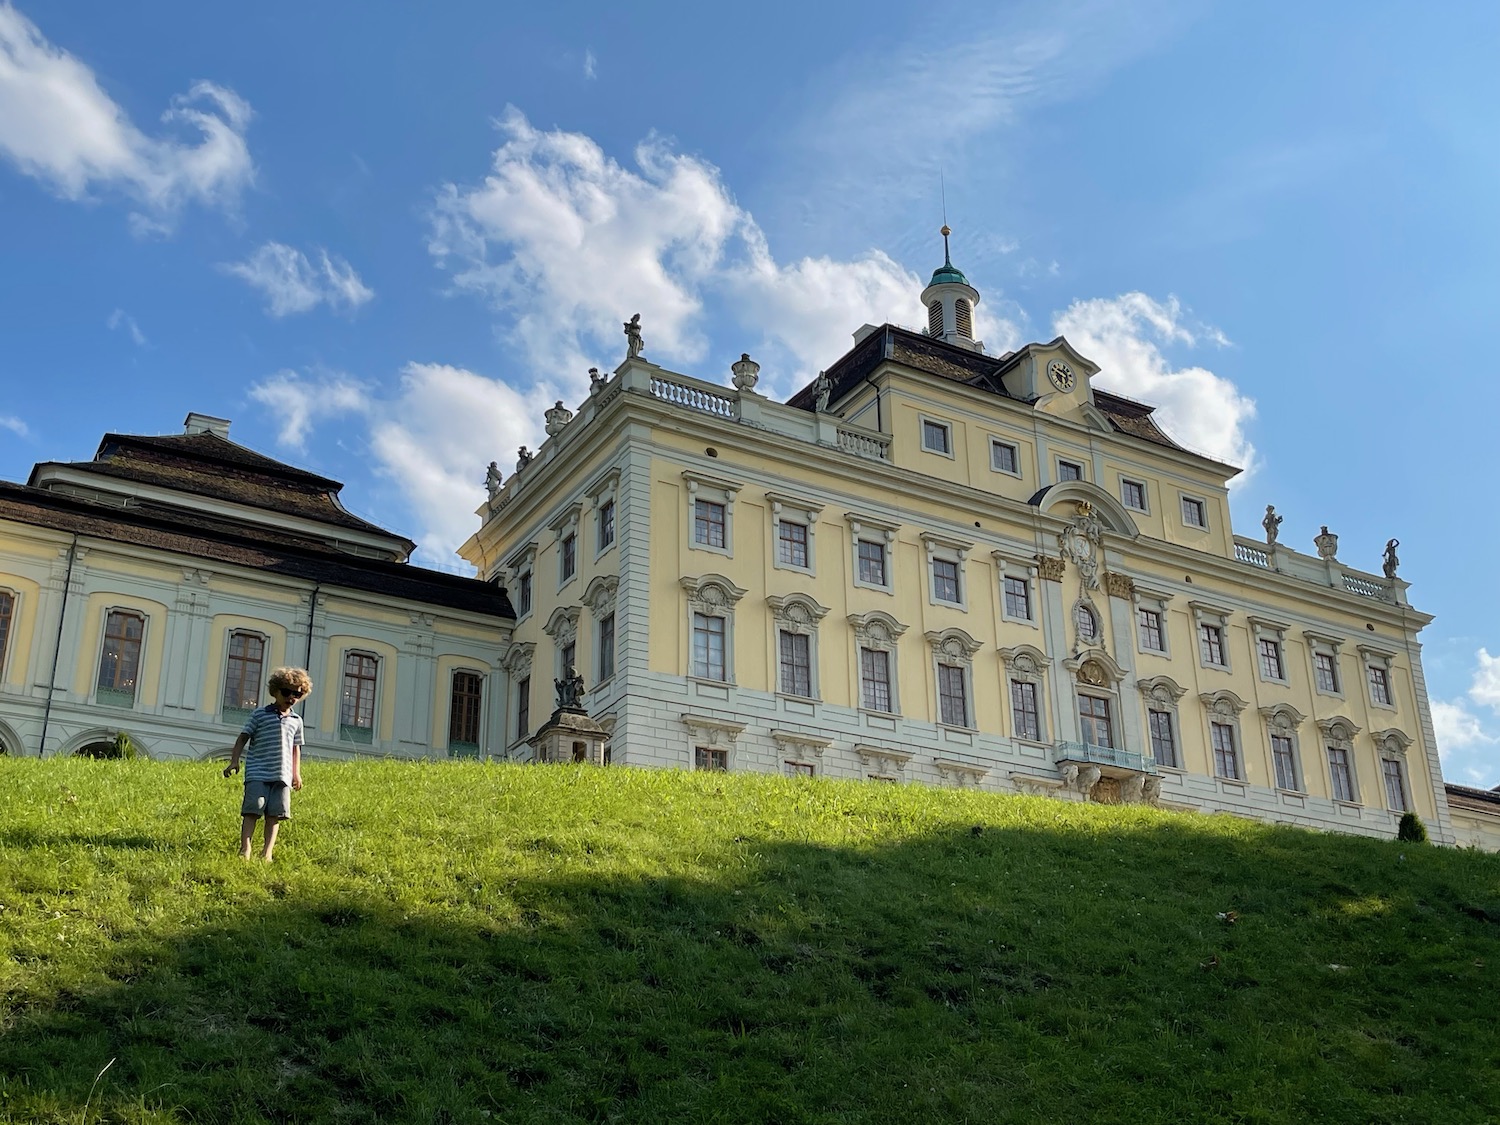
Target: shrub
[1412,830]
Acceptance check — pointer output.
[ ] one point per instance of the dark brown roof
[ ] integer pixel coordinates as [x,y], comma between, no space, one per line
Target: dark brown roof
[207,465]
[973,369]
[249,546]
[1466,793]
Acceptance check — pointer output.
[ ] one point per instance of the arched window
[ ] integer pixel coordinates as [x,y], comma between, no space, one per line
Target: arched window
[243,675]
[357,705]
[120,658]
[7,611]
[464,708]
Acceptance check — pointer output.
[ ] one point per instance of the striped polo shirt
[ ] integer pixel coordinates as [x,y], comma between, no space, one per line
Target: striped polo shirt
[268,754]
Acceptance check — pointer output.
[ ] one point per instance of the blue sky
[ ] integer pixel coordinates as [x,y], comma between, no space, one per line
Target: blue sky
[382,241]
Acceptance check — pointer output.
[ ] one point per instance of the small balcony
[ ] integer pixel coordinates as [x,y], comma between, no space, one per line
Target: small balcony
[1111,762]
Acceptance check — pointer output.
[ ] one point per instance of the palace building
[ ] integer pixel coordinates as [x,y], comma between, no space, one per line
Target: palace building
[151,591]
[940,565]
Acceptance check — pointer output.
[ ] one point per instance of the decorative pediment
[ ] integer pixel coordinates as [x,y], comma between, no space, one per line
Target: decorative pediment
[1161,690]
[1392,741]
[1024,661]
[962,773]
[1222,704]
[600,596]
[1062,500]
[710,730]
[517,660]
[799,744]
[884,758]
[1095,667]
[712,593]
[953,644]
[562,626]
[1282,718]
[876,629]
[796,612]
[1338,731]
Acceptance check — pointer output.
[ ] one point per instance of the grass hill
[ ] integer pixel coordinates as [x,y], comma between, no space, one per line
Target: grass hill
[470,943]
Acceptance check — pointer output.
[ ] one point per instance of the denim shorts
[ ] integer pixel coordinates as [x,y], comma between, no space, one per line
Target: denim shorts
[267,798]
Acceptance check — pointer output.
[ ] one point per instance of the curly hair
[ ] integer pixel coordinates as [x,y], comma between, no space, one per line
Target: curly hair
[296,679]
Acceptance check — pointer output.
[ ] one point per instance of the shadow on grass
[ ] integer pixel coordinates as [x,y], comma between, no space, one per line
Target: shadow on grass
[983,975]
[31,838]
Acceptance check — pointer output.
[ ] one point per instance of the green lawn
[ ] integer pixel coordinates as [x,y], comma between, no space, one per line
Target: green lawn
[466,943]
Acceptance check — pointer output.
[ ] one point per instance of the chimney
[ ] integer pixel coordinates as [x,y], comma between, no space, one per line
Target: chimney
[206,424]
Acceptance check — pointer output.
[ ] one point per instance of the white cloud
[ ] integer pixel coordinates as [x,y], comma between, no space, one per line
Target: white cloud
[1125,335]
[566,243]
[120,319]
[1485,688]
[430,437]
[58,125]
[590,65]
[293,284]
[299,403]
[1457,727]
[14,425]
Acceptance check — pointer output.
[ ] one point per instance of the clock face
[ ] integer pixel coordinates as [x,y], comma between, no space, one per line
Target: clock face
[1061,375]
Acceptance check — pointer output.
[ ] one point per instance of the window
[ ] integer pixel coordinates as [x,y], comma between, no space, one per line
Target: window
[1211,644]
[1069,470]
[1380,686]
[800,769]
[1226,756]
[1271,667]
[1025,715]
[1004,457]
[936,437]
[1341,773]
[1149,623]
[707,758]
[791,541]
[7,612]
[1017,598]
[1194,512]
[120,658]
[1133,495]
[1395,785]
[1087,623]
[357,706]
[1094,721]
[875,637]
[872,541]
[1284,758]
[569,557]
[523,707]
[1326,672]
[567,658]
[945,580]
[1163,740]
[244,673]
[708,647]
[606,524]
[875,680]
[463,713]
[796,664]
[953,697]
[708,523]
[606,647]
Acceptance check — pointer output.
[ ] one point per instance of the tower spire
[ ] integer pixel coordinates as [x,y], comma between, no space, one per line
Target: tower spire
[950,299]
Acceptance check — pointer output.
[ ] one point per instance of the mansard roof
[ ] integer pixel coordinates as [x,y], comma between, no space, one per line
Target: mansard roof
[972,369]
[205,464]
[245,545]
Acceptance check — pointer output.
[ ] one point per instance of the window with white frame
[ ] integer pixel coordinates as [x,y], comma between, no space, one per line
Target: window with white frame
[711,601]
[1270,649]
[794,524]
[522,567]
[600,600]
[953,656]
[1086,622]
[1161,695]
[711,758]
[1017,598]
[244,675]
[1282,721]
[358,697]
[605,525]
[1338,743]
[1213,635]
[465,706]
[796,617]
[562,627]
[710,504]
[1378,675]
[565,528]
[937,437]
[871,543]
[1324,652]
[1069,470]
[517,665]
[1005,457]
[1151,626]
[120,658]
[1392,752]
[945,570]
[1133,494]
[1095,722]
[1195,512]
[1024,669]
[1017,602]
[602,491]
[606,663]
[523,707]
[7,615]
[875,637]
[1223,709]
[568,558]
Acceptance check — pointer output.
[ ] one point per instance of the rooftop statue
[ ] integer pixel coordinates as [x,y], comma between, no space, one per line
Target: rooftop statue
[633,341]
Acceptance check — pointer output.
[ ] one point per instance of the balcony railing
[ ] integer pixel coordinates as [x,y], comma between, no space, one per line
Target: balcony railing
[694,398]
[1252,555]
[862,443]
[1102,756]
[1363,587]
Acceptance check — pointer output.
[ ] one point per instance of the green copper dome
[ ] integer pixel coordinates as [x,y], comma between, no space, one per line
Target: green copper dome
[946,273]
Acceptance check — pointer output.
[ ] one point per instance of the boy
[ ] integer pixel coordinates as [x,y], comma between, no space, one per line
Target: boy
[273,765]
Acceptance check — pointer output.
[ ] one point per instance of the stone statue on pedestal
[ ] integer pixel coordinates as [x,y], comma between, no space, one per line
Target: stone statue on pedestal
[492,480]
[633,342]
